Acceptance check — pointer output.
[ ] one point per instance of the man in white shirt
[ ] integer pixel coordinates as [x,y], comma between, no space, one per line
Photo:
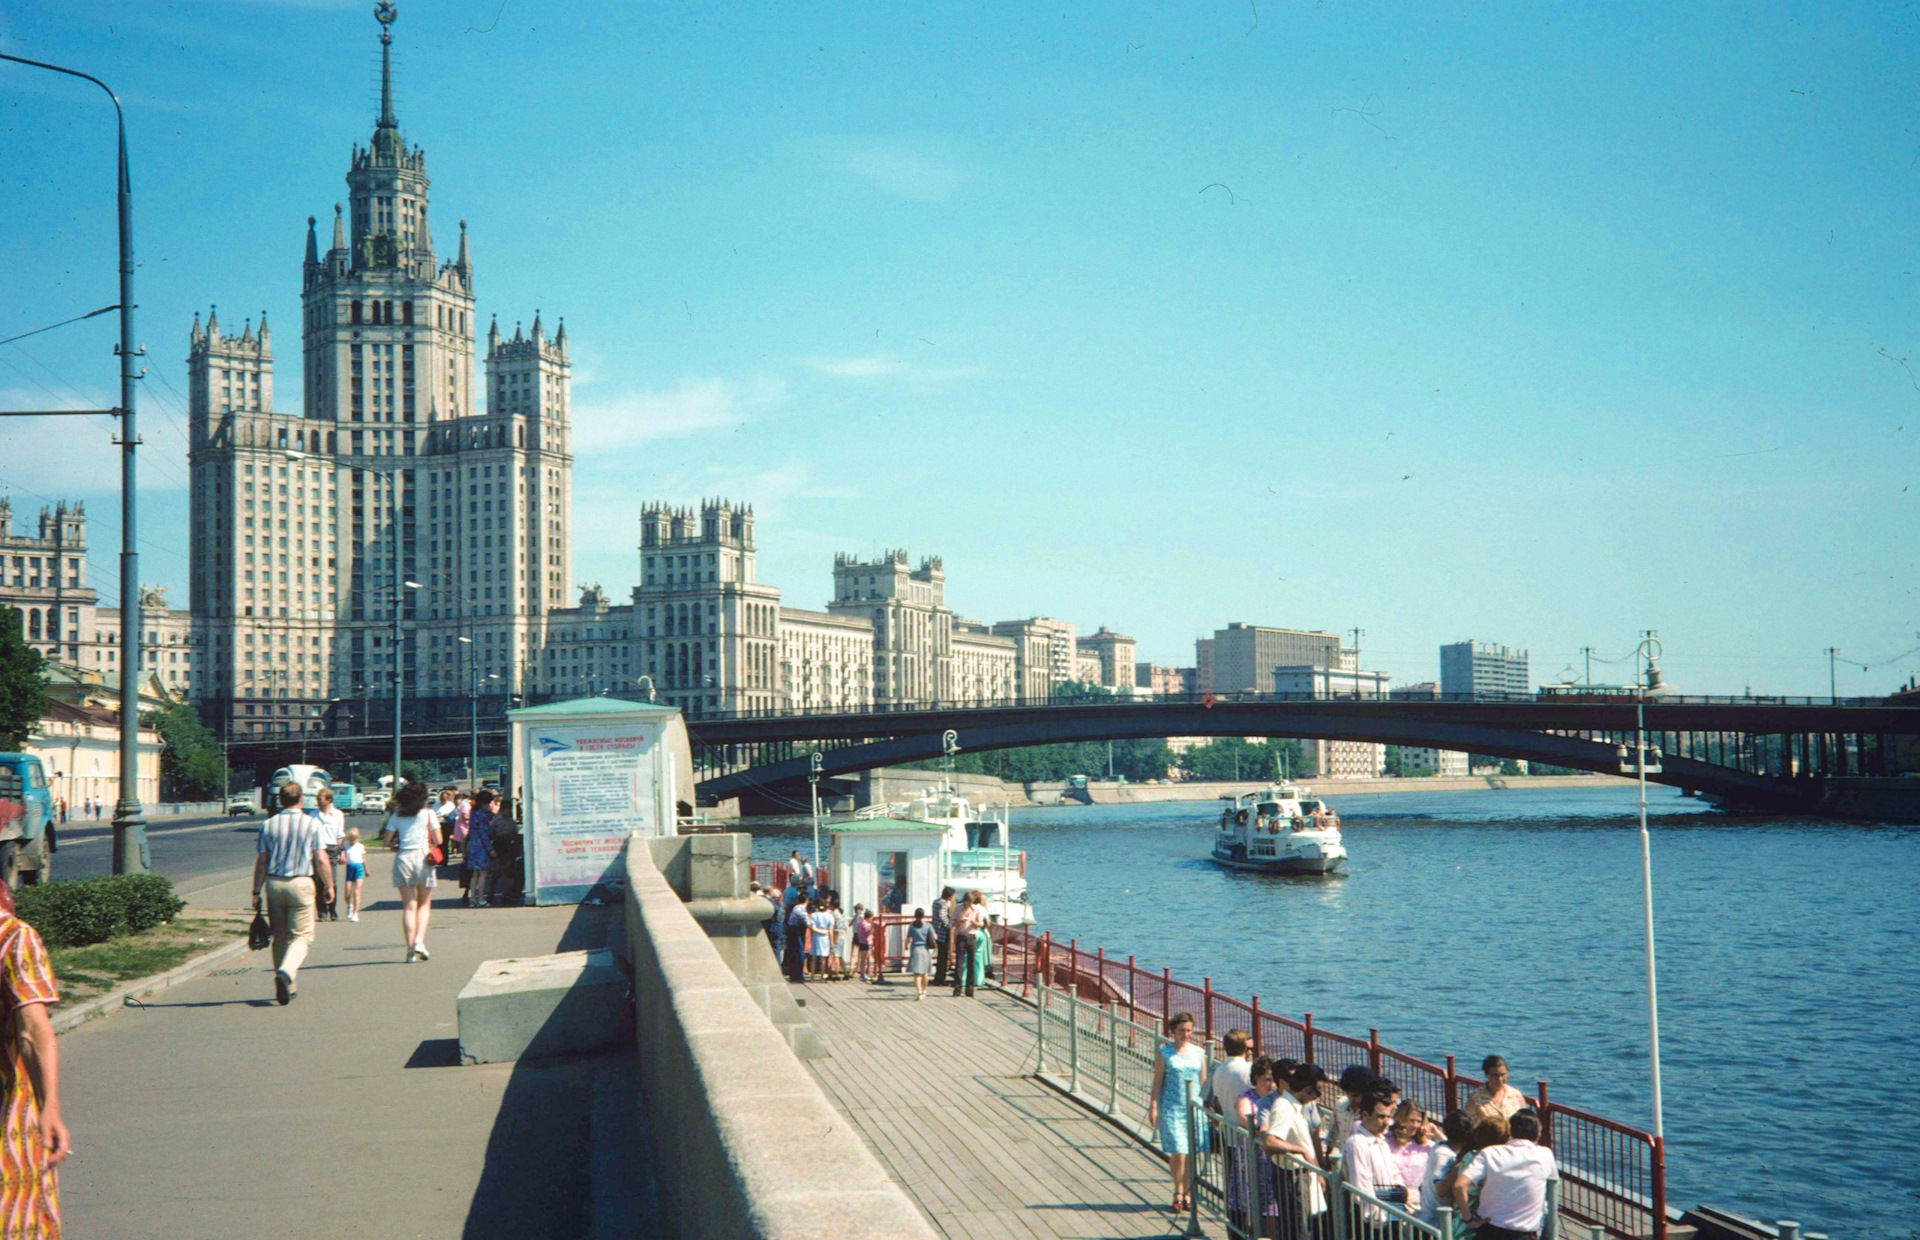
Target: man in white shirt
[1513,1184]
[1366,1161]
[333,831]
[1233,1076]
[1289,1130]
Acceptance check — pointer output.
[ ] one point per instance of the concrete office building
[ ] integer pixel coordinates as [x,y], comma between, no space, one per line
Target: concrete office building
[1113,659]
[1242,658]
[1470,669]
[1330,758]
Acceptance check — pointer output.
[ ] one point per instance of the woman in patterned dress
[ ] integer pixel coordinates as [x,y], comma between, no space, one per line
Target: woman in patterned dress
[33,1140]
[1177,1070]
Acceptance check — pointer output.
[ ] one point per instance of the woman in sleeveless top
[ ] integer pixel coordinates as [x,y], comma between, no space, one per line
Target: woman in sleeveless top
[1177,1070]
[33,1139]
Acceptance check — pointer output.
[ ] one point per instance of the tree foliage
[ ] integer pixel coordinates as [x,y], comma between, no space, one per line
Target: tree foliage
[23,683]
[1235,758]
[1137,761]
[191,765]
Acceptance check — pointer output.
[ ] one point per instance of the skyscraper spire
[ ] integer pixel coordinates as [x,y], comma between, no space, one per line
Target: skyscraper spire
[384,12]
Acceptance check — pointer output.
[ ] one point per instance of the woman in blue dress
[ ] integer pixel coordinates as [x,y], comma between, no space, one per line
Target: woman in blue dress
[1178,1068]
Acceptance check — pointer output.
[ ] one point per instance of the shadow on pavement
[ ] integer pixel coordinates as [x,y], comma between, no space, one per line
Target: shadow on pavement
[563,1147]
[435,1053]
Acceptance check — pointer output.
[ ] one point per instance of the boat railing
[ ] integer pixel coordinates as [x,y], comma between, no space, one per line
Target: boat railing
[1612,1175]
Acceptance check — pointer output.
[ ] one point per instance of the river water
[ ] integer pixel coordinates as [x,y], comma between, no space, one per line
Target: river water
[1509,922]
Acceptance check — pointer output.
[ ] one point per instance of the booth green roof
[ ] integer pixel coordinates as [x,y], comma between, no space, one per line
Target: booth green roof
[591,706]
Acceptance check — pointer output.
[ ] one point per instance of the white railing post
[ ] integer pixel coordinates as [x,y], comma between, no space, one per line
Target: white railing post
[1550,1225]
[1113,1063]
[1444,1220]
[1337,1204]
[1040,1032]
[1073,1040]
[1194,1132]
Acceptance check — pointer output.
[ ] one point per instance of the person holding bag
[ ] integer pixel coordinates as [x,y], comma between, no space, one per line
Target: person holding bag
[413,832]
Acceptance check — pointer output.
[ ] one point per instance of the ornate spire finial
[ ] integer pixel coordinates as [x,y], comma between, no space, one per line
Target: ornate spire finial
[339,229]
[384,12]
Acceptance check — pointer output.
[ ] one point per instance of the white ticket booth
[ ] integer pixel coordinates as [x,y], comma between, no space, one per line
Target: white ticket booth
[889,864]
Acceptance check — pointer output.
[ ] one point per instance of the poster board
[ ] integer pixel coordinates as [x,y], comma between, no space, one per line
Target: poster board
[589,773]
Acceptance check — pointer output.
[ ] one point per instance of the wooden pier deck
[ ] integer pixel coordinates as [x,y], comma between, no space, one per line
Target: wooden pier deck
[941,1090]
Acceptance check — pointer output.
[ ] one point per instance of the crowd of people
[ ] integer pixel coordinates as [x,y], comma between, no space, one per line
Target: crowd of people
[816,939]
[1483,1161]
[308,863]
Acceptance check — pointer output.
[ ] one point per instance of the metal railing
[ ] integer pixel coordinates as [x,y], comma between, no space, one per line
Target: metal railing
[1105,1062]
[1612,1174]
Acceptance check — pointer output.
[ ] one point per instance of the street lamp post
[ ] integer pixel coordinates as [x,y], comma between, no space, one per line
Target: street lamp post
[1649,650]
[129,828]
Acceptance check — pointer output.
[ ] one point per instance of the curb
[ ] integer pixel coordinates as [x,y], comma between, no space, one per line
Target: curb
[114,1000]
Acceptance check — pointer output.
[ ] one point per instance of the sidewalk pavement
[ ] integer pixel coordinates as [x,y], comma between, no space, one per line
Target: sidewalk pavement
[212,1112]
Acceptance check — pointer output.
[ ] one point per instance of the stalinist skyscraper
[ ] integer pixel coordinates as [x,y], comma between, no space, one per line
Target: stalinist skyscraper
[296,516]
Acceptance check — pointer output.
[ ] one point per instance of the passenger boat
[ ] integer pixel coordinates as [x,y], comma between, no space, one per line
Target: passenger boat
[943,840]
[1279,830]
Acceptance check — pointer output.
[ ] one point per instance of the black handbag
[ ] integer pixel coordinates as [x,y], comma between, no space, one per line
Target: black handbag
[259,934]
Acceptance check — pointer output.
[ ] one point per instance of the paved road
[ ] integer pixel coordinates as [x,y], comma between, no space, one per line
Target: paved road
[208,859]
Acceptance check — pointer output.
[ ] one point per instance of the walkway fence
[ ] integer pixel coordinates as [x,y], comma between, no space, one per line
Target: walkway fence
[1612,1175]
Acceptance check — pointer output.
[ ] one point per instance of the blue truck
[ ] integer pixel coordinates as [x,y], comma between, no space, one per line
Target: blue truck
[27,831]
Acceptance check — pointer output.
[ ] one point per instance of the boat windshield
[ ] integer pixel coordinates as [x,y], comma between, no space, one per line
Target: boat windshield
[1270,809]
[1308,807]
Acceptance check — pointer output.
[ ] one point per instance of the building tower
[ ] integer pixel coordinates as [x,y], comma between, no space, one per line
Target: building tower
[706,632]
[912,625]
[388,451]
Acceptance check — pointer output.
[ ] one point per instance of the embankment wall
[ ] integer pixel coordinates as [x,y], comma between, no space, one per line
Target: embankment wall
[745,1143]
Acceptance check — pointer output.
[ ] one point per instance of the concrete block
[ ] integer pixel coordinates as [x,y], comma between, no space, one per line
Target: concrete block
[718,866]
[537,1007]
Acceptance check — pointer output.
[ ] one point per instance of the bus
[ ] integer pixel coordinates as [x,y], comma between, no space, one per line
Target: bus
[310,778]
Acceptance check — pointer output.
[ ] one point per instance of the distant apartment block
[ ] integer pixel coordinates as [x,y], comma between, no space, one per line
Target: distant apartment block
[1475,669]
[1112,656]
[1242,658]
[1152,678]
[1413,759]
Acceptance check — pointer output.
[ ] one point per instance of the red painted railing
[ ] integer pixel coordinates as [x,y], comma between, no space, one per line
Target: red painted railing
[769,874]
[1613,1174]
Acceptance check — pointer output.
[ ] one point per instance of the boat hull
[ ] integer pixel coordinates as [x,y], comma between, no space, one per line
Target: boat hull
[1281,865]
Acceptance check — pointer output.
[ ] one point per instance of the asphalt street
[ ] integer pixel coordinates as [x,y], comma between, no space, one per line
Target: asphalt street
[208,859]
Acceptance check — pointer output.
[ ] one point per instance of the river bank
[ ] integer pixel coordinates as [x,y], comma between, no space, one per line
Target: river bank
[889,784]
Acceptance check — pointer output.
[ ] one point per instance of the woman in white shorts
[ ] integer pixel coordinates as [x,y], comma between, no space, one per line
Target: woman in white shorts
[411,830]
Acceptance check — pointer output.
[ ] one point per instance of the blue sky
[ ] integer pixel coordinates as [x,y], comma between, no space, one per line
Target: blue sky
[1533,324]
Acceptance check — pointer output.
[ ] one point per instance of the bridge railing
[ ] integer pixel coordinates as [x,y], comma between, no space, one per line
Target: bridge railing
[1613,1174]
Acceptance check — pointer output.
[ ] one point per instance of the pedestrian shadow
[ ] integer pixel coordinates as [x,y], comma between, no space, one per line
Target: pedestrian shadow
[207,1003]
[557,1119]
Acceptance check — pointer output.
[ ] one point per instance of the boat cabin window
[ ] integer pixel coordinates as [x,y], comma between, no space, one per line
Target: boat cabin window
[1307,807]
[983,835]
[1270,808]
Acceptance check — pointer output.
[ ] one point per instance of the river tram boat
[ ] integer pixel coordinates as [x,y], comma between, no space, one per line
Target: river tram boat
[1279,830]
[902,854]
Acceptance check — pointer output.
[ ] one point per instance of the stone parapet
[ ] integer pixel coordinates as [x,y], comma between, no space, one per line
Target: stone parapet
[746,1144]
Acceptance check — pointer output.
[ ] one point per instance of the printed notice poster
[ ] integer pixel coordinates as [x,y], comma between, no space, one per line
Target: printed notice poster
[591,783]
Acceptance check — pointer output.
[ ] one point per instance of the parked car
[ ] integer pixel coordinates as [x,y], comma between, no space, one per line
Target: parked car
[27,831]
[240,805]
[373,800]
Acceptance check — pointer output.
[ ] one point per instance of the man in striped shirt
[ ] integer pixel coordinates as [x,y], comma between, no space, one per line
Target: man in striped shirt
[289,854]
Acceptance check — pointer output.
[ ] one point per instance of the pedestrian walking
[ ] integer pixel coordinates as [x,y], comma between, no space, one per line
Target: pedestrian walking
[411,830]
[919,954]
[943,936]
[1177,1068]
[33,1138]
[798,927]
[843,936]
[969,926]
[289,860]
[1513,1184]
[355,855]
[478,865]
[863,925]
[333,829]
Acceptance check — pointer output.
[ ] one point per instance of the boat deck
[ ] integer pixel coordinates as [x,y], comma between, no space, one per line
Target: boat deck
[937,1090]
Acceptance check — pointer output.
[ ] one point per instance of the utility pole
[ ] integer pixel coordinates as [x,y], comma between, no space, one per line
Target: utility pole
[1588,652]
[129,828]
[1833,677]
[1357,635]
